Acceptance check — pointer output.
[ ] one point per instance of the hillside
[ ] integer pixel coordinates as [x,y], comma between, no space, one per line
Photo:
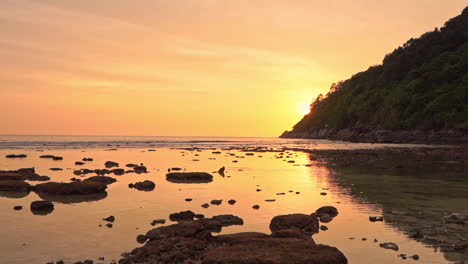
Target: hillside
[418,93]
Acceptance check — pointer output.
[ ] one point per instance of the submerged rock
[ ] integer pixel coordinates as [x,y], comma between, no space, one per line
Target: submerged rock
[189,177]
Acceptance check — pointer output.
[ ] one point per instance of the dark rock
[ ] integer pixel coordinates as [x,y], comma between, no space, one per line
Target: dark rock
[389,245]
[111,164]
[118,171]
[256,207]
[205,205]
[329,210]
[228,220]
[182,216]
[56,169]
[109,219]
[158,221]
[216,202]
[324,218]
[57,158]
[140,169]
[189,177]
[141,239]
[145,185]
[323,227]
[188,199]
[101,179]
[231,202]
[376,218]
[46,156]
[72,188]
[87,159]
[290,233]
[15,156]
[199,216]
[15,186]
[309,224]
[131,165]
[109,225]
[17,207]
[79,163]
[41,207]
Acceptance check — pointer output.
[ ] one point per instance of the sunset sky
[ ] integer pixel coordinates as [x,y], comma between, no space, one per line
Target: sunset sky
[189,67]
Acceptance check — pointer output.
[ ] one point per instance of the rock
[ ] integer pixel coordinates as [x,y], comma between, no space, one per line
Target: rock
[101,179]
[111,164]
[87,159]
[389,245]
[22,174]
[376,218]
[56,169]
[79,163]
[324,218]
[46,156]
[57,158]
[205,205]
[145,186]
[118,171]
[182,216]
[274,251]
[158,221]
[109,225]
[415,257]
[323,193]
[109,219]
[72,188]
[141,239]
[270,200]
[140,169]
[329,210]
[17,207]
[323,227]
[228,220]
[183,229]
[256,207]
[199,216]
[188,199]
[16,156]
[221,171]
[131,165]
[290,233]
[309,224]
[41,207]
[15,186]
[216,202]
[231,202]
[189,177]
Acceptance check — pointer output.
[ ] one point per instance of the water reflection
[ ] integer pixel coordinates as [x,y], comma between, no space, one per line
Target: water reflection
[71,199]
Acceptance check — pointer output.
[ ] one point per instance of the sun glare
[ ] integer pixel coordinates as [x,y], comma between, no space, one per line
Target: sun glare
[304,109]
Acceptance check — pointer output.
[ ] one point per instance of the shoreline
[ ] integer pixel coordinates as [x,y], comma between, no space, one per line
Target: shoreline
[450,136]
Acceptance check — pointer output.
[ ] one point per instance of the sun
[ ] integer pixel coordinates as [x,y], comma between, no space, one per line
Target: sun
[304,109]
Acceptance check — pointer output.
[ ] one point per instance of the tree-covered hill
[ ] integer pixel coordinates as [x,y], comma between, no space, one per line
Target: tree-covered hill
[422,85]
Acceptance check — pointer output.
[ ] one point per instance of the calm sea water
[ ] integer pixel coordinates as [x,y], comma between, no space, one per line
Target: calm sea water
[72,232]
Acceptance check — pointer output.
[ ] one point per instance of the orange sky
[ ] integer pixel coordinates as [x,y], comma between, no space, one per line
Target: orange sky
[189,67]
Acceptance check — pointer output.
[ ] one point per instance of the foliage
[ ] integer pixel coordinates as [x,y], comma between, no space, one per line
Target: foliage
[420,85]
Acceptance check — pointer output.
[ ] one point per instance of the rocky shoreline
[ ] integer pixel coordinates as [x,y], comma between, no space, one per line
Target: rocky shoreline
[451,136]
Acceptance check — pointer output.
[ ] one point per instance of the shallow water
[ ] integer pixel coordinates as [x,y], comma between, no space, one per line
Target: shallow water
[72,231]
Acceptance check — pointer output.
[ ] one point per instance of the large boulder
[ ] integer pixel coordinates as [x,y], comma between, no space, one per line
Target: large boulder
[71,188]
[189,177]
[274,251]
[308,224]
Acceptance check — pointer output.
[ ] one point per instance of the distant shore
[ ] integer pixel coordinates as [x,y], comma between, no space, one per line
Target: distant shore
[451,136]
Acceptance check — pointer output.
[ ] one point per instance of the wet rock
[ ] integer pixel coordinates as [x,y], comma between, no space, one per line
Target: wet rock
[109,225]
[56,169]
[57,158]
[189,177]
[109,219]
[17,207]
[415,257]
[131,165]
[141,239]
[228,220]
[231,202]
[182,216]
[22,174]
[323,193]
[72,188]
[79,163]
[87,159]
[188,199]
[140,169]
[329,210]
[205,205]
[274,251]
[46,156]
[376,218]
[199,216]
[389,245]
[111,164]
[221,171]
[145,185]
[16,156]
[216,202]
[158,221]
[15,186]
[290,233]
[41,207]
[323,227]
[309,224]
[256,207]
[324,218]
[118,171]
[101,179]
[176,169]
